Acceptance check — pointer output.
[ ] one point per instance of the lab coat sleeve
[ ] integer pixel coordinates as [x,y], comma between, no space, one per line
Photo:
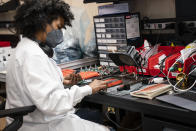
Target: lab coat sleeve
[46,92]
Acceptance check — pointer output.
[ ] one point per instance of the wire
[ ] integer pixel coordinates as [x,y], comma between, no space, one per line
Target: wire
[117,125]
[182,80]
[174,86]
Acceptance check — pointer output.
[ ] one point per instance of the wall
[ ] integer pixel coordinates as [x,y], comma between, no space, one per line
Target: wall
[154,9]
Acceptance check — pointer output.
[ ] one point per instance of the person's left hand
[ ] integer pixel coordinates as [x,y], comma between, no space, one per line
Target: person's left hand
[72,79]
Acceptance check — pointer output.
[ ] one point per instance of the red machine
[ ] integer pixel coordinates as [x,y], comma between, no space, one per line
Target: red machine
[160,63]
[4,43]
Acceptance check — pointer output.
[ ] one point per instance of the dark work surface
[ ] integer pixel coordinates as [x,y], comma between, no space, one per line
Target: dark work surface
[153,108]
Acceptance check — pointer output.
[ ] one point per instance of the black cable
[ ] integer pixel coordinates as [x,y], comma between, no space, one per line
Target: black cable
[117,125]
[191,54]
[158,37]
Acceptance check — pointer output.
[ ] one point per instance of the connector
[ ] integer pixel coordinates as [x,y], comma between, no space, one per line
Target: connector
[111,110]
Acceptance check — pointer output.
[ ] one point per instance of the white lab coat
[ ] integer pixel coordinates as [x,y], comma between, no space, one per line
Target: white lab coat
[35,79]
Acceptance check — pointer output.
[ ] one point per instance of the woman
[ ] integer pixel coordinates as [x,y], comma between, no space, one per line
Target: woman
[33,78]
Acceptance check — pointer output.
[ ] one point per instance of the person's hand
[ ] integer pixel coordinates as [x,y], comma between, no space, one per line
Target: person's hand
[72,79]
[97,85]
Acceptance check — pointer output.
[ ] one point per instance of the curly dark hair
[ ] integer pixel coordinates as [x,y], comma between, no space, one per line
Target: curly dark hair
[33,15]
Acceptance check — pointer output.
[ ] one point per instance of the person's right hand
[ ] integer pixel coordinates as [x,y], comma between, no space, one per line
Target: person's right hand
[97,85]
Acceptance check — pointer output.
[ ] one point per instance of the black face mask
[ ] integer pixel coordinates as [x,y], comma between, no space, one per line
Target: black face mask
[54,38]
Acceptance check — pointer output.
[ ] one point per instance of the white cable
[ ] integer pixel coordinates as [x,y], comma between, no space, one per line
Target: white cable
[174,86]
[177,89]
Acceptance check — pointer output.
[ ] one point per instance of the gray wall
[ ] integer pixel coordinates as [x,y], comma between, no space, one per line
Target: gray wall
[154,9]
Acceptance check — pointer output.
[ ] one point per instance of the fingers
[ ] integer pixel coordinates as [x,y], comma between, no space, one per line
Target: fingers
[79,78]
[103,84]
[67,77]
[75,78]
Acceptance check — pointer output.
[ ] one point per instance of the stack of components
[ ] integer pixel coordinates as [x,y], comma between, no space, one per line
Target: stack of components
[114,33]
[102,72]
[93,72]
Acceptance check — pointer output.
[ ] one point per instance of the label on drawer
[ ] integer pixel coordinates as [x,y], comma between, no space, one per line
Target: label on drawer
[97,20]
[102,47]
[98,35]
[98,25]
[113,41]
[103,35]
[112,48]
[99,40]
[103,55]
[108,35]
[102,20]
[102,25]
[98,30]
[102,30]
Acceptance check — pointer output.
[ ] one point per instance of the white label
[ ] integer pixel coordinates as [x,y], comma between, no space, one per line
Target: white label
[102,30]
[103,55]
[99,40]
[102,48]
[113,41]
[104,63]
[104,41]
[96,20]
[112,48]
[103,35]
[98,30]
[98,25]
[109,41]
[108,35]
[98,35]
[102,20]
[102,25]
